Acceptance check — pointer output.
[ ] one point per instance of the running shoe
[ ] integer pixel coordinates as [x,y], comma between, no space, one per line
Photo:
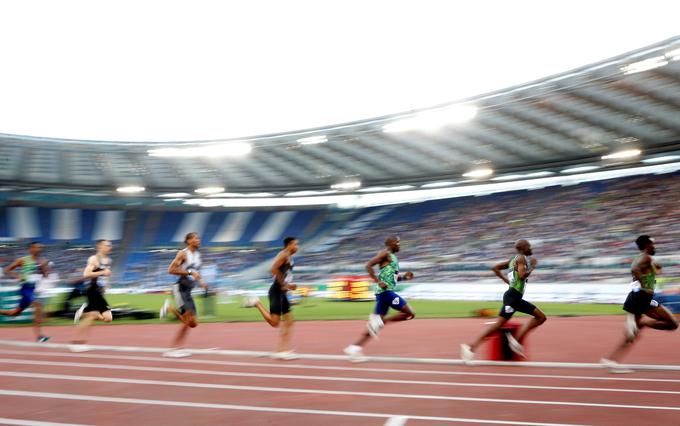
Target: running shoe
[251,302]
[43,339]
[177,353]
[466,354]
[614,367]
[375,324]
[515,346]
[79,313]
[285,355]
[164,309]
[77,348]
[355,353]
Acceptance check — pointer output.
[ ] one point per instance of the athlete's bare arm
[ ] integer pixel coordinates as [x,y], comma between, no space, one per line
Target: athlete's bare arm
[92,264]
[279,261]
[643,264]
[378,259]
[497,268]
[10,269]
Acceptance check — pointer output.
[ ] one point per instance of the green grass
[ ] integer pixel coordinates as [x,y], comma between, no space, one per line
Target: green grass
[322,309]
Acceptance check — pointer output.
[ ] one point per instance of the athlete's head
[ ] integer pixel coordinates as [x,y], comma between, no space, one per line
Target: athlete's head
[103,247]
[291,244]
[393,243]
[523,247]
[35,248]
[192,240]
[646,243]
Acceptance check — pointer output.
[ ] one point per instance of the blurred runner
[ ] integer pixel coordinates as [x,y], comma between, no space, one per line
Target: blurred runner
[96,308]
[31,269]
[520,266]
[385,296]
[279,305]
[643,310]
[186,266]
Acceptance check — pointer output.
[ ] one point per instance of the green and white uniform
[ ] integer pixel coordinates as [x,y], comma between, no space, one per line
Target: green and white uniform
[389,274]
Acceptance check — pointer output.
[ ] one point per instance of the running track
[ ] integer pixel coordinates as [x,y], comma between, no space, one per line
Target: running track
[107,387]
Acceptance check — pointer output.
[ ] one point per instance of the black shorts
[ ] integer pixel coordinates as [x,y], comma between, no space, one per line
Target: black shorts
[513,302]
[278,300]
[183,298]
[95,299]
[639,302]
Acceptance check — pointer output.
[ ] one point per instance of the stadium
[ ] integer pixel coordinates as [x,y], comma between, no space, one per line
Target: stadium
[179,239]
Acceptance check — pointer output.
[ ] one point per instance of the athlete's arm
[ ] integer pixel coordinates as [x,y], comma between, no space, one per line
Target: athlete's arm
[644,262]
[92,264]
[406,276]
[376,260]
[533,262]
[658,267]
[523,269]
[175,267]
[497,268]
[279,260]
[10,269]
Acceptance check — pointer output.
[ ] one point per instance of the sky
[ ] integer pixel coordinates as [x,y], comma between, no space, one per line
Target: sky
[202,70]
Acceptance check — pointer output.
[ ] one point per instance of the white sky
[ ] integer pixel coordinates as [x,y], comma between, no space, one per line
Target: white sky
[173,70]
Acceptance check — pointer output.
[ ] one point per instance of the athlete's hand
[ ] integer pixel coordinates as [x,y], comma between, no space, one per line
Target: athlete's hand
[105,273]
[533,262]
[292,286]
[382,285]
[195,275]
[408,276]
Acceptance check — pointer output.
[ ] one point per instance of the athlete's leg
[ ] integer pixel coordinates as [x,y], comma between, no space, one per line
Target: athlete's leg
[488,331]
[11,312]
[37,319]
[623,347]
[83,326]
[272,319]
[538,319]
[188,321]
[405,314]
[286,331]
[107,316]
[658,318]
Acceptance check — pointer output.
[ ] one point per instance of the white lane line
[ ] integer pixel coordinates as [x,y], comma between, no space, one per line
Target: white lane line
[21,422]
[396,421]
[77,397]
[385,359]
[281,366]
[326,378]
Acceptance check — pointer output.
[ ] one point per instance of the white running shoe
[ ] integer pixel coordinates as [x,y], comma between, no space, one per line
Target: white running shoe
[614,367]
[466,354]
[176,353]
[79,313]
[77,348]
[375,324]
[285,355]
[164,309]
[355,353]
[515,346]
[632,328]
[251,301]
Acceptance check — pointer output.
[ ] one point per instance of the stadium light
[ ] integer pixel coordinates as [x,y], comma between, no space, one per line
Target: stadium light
[674,55]
[579,169]
[385,188]
[432,120]
[209,190]
[313,140]
[175,195]
[130,189]
[629,153]
[645,65]
[231,149]
[439,184]
[347,186]
[478,173]
[661,159]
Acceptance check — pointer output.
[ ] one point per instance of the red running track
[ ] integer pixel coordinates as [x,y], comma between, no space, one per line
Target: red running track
[106,388]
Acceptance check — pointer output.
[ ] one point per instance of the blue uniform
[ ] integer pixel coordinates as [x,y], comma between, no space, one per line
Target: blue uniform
[387,298]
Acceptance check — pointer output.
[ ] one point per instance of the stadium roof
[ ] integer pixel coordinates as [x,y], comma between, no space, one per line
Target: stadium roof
[631,102]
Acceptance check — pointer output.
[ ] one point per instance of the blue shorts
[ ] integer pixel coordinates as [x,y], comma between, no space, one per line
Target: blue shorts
[27,293]
[386,300]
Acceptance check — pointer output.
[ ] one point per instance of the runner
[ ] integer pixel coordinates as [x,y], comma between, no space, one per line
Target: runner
[520,266]
[279,305]
[32,269]
[386,298]
[643,310]
[186,266]
[96,308]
